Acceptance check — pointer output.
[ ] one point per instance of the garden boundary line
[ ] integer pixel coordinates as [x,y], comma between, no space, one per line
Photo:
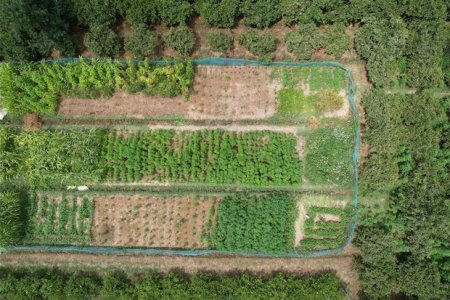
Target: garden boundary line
[351,89]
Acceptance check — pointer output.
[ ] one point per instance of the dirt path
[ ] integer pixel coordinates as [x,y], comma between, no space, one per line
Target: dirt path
[342,265]
[299,223]
[231,127]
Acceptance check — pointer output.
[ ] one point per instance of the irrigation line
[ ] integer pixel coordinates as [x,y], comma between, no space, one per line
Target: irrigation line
[234,62]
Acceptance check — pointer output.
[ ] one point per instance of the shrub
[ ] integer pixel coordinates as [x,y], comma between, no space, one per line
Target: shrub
[10,220]
[260,13]
[219,41]
[302,41]
[334,40]
[382,42]
[175,12]
[328,100]
[301,11]
[182,39]
[95,13]
[141,42]
[219,13]
[58,283]
[259,44]
[141,12]
[29,30]
[103,41]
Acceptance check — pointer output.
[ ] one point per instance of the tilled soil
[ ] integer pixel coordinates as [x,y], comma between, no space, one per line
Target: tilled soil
[219,92]
[151,221]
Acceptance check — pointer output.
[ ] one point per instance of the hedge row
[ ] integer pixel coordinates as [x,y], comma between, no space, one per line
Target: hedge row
[59,284]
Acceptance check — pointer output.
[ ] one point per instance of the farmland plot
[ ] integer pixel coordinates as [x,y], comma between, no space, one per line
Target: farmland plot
[153,221]
[59,219]
[231,93]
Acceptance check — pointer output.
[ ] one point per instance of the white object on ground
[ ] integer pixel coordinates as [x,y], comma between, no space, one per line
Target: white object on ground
[82,188]
[3,113]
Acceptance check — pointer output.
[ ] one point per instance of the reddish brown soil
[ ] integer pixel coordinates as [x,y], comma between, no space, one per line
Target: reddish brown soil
[151,221]
[32,122]
[342,265]
[219,92]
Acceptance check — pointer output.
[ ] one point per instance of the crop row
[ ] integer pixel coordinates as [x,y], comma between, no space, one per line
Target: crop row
[212,156]
[69,157]
[322,233]
[59,220]
[30,87]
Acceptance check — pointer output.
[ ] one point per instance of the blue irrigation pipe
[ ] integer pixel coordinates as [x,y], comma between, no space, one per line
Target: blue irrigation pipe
[351,89]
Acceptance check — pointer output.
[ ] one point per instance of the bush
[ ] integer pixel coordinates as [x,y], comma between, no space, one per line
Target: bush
[94,13]
[334,40]
[425,53]
[141,42]
[301,11]
[219,41]
[219,13]
[302,41]
[29,30]
[141,12]
[259,44]
[260,13]
[254,223]
[56,284]
[11,230]
[175,12]
[182,39]
[103,41]
[382,42]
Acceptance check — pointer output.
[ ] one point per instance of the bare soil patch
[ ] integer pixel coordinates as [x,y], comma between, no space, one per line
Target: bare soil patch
[32,122]
[299,223]
[219,92]
[151,221]
[342,265]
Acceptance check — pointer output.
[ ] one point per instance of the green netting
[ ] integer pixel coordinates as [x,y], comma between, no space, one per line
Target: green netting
[236,62]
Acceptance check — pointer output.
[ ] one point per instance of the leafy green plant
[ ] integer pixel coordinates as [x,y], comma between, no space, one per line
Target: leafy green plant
[175,12]
[211,156]
[11,227]
[218,13]
[60,221]
[103,41]
[328,100]
[260,13]
[141,42]
[219,41]
[28,88]
[334,40]
[303,41]
[182,39]
[255,223]
[259,44]
[328,156]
